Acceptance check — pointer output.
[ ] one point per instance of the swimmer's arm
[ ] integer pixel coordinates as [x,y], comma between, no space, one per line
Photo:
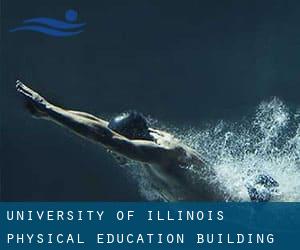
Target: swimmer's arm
[83,124]
[142,150]
[34,100]
[87,115]
[96,129]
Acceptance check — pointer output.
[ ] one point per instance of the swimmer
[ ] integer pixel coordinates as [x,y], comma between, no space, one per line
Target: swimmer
[128,135]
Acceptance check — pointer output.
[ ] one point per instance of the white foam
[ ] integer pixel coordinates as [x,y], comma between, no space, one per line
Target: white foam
[268,142]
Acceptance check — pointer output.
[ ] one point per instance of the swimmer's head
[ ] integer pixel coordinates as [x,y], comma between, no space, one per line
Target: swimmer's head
[132,125]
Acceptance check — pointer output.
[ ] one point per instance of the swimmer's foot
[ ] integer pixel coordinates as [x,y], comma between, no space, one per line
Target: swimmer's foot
[34,103]
[263,188]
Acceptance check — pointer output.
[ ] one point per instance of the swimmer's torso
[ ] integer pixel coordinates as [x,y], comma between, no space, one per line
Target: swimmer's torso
[175,183]
[178,180]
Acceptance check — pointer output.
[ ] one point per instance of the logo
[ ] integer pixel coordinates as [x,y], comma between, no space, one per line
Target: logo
[53,27]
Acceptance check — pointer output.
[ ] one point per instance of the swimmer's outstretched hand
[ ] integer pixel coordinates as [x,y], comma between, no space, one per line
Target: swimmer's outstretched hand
[35,103]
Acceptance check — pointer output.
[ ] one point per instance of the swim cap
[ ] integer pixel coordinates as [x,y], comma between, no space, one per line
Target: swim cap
[132,125]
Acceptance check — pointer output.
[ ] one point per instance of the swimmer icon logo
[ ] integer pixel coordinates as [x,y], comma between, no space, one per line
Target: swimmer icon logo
[53,27]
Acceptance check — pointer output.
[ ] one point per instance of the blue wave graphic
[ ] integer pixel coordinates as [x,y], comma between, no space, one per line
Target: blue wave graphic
[47,31]
[53,27]
[53,23]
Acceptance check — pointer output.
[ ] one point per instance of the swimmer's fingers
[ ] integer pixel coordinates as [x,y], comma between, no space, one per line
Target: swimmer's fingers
[23,89]
[37,102]
[28,93]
